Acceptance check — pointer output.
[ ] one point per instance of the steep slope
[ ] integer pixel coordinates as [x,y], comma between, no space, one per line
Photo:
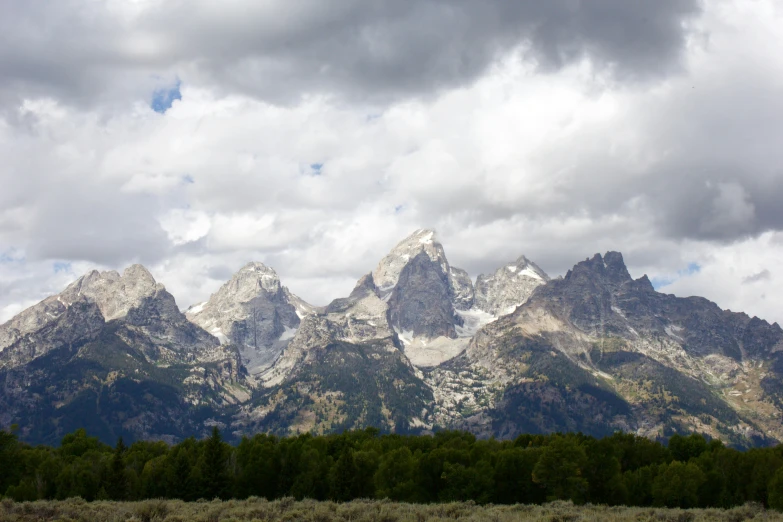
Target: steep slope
[413,311]
[343,369]
[254,312]
[115,352]
[97,298]
[420,303]
[598,341]
[426,297]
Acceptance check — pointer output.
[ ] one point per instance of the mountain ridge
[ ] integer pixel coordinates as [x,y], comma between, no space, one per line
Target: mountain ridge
[417,346]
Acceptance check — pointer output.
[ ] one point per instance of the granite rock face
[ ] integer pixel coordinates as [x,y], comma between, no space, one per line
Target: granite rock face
[343,369]
[114,353]
[415,347]
[639,360]
[462,291]
[254,312]
[420,302]
[82,309]
[423,291]
[360,319]
[509,287]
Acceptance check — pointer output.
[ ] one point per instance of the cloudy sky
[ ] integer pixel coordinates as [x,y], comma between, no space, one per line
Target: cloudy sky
[194,136]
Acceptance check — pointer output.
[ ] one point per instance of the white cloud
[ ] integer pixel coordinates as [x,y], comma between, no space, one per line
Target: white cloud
[729,275]
[507,158]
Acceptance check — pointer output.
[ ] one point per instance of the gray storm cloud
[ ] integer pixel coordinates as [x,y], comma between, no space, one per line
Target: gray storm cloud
[555,128]
[378,50]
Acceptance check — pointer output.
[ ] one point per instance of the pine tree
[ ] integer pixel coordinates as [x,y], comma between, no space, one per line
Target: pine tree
[181,484]
[344,477]
[215,472]
[117,480]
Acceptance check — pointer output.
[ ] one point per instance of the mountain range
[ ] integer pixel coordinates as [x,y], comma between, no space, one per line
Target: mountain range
[416,347]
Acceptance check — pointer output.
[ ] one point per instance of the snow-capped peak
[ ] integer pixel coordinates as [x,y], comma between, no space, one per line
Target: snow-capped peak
[510,286]
[387,273]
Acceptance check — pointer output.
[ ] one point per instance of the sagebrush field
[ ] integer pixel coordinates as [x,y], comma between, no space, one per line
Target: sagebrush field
[288,509]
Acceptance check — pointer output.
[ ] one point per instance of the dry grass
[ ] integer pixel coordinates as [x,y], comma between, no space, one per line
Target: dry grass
[288,509]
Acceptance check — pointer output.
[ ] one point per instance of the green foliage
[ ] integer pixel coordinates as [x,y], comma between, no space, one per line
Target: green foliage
[116,482]
[448,466]
[214,472]
[343,477]
[775,490]
[514,477]
[395,476]
[10,460]
[677,485]
[559,469]
[686,448]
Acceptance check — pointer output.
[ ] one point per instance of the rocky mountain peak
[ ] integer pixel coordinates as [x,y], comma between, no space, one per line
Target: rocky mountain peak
[114,294]
[144,314]
[462,291]
[387,273]
[510,286]
[252,279]
[252,311]
[138,275]
[644,284]
[609,268]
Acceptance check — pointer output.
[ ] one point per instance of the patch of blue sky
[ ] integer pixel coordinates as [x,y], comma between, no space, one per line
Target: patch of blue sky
[162,99]
[11,256]
[61,266]
[660,282]
[315,168]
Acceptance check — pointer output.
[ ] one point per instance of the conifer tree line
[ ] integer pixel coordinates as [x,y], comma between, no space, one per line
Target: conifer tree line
[621,469]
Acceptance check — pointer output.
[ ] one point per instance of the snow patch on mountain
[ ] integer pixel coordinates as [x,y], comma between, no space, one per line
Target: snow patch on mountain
[510,286]
[474,319]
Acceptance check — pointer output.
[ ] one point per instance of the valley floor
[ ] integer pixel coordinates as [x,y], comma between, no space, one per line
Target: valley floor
[288,509]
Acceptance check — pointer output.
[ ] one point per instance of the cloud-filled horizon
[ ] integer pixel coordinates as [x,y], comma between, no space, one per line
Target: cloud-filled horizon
[312,136]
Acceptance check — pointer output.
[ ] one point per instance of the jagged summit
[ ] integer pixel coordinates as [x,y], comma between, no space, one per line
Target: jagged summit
[387,273]
[116,294]
[113,295]
[244,285]
[112,352]
[510,286]
[414,346]
[254,312]
[609,268]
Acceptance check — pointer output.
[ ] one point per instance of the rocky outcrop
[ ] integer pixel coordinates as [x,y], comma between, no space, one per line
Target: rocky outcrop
[361,319]
[254,312]
[658,362]
[387,273]
[80,312]
[462,292]
[420,302]
[509,287]
[115,354]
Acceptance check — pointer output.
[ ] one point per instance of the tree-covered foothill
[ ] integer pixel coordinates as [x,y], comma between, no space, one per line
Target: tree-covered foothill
[620,469]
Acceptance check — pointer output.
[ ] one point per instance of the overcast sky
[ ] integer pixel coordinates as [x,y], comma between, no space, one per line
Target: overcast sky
[195,136]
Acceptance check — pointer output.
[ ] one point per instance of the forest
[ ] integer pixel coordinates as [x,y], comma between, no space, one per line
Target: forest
[622,469]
